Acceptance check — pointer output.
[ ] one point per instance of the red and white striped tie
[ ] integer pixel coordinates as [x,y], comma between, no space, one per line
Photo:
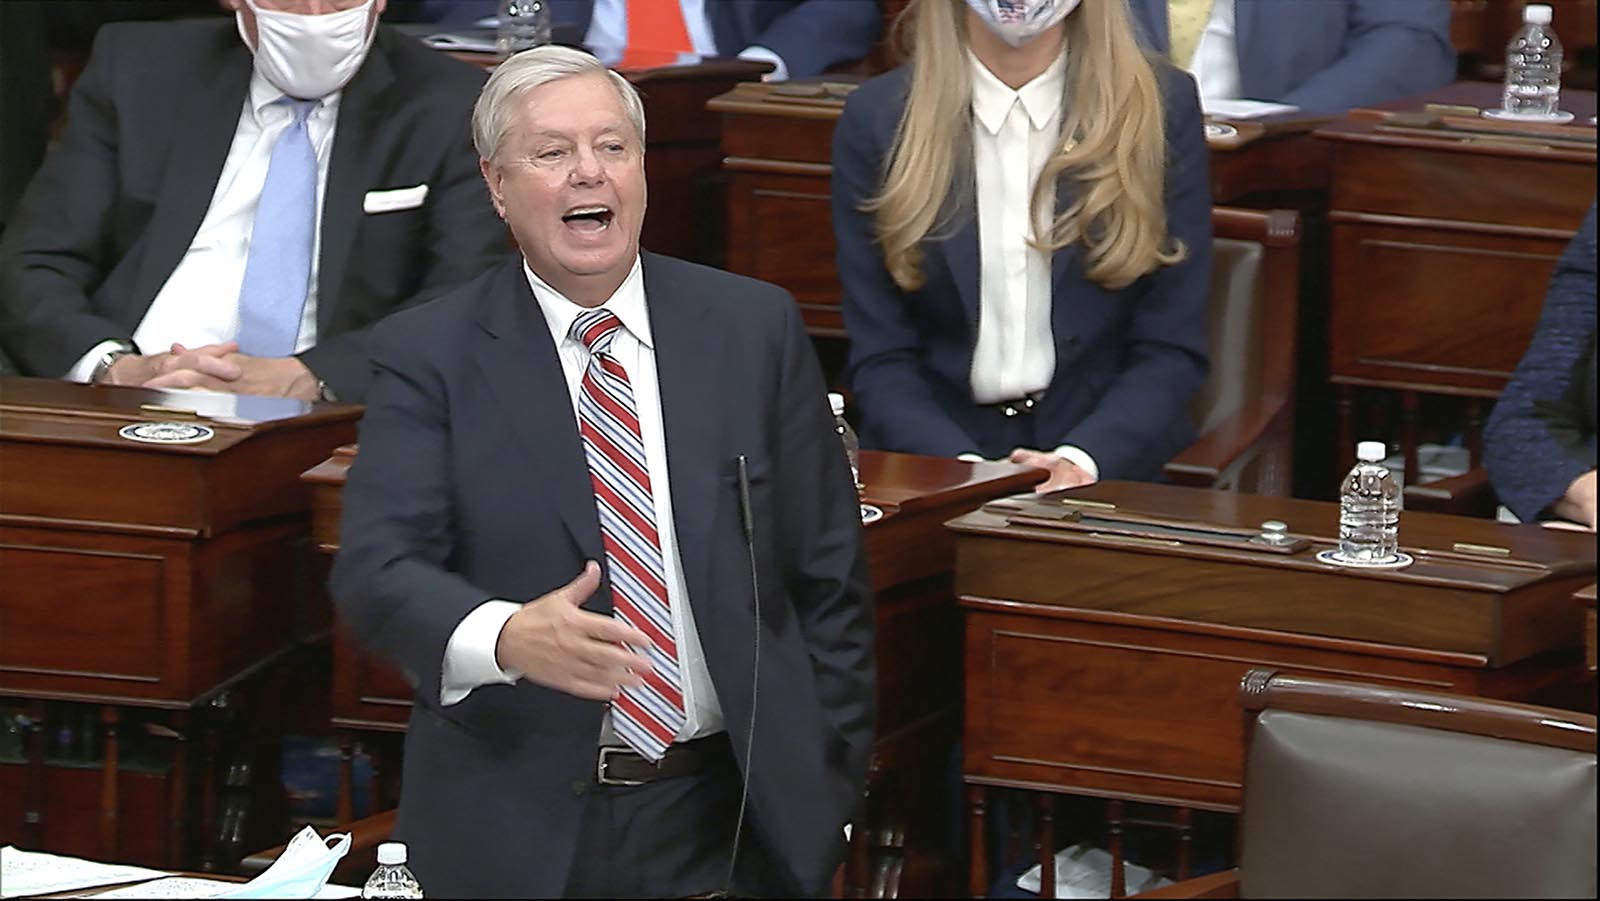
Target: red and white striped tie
[647,717]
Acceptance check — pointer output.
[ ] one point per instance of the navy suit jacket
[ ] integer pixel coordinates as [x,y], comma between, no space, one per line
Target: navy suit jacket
[1330,55]
[1128,362]
[472,484]
[117,203]
[810,35]
[1541,435]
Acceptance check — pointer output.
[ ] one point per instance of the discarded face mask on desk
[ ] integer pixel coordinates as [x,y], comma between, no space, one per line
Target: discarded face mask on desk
[300,871]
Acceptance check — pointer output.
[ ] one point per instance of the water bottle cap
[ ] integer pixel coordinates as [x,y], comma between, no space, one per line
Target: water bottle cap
[391,853]
[1371,451]
[1536,13]
[836,402]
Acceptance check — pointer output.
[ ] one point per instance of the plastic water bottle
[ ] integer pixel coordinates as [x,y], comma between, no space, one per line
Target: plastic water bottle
[391,879]
[1369,509]
[847,435]
[1533,67]
[523,24]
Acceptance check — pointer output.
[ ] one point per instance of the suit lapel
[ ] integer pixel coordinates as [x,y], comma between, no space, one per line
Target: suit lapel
[1160,26]
[1244,24]
[519,362]
[960,253]
[199,148]
[352,172]
[688,369]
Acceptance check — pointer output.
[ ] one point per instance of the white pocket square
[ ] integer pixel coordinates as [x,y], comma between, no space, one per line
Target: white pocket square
[395,199]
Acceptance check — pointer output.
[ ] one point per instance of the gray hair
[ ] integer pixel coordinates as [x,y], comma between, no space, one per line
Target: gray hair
[494,112]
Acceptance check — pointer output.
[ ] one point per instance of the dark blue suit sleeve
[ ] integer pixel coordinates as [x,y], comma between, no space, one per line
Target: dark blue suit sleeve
[885,345]
[826,558]
[389,579]
[1392,48]
[815,34]
[1164,359]
[1529,466]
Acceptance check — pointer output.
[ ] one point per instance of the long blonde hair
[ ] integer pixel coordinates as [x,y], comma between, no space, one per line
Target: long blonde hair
[1112,150]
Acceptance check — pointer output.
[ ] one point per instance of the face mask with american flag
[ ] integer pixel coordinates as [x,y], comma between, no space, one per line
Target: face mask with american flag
[1018,21]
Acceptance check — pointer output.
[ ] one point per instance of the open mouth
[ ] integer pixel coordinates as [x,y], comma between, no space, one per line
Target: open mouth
[588,218]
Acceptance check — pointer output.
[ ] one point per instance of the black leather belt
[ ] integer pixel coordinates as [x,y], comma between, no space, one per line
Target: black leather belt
[1022,406]
[619,765]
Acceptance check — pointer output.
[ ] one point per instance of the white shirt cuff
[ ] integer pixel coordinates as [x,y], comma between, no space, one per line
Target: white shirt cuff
[84,368]
[1080,458]
[469,660]
[971,458]
[760,54]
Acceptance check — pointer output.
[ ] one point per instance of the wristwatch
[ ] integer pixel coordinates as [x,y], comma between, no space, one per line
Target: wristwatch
[103,365]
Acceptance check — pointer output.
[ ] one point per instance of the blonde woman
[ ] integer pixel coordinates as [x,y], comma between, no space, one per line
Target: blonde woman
[1024,231]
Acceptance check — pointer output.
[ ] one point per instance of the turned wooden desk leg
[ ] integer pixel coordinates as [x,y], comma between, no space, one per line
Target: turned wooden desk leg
[1408,436]
[1185,841]
[110,804]
[1047,845]
[208,795]
[1114,828]
[344,801]
[1346,431]
[178,793]
[1474,432]
[978,868]
[33,812]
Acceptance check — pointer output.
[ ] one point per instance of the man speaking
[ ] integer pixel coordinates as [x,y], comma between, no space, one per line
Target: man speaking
[602,521]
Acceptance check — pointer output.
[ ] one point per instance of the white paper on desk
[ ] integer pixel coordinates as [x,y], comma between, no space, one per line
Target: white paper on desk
[1084,871]
[36,873]
[1563,525]
[472,41]
[1242,109]
[194,887]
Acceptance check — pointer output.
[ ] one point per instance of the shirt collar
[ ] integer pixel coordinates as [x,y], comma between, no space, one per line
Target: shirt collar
[627,304]
[264,93]
[992,99]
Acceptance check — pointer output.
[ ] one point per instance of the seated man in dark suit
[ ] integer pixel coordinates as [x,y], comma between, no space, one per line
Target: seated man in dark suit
[1539,446]
[800,38]
[1320,55]
[236,214]
[643,448]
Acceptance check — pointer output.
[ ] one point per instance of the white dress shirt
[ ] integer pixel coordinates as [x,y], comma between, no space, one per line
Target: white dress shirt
[199,304]
[1014,133]
[1216,59]
[608,27]
[469,660]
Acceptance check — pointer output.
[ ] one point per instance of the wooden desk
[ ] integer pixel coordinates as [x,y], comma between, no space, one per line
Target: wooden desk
[1585,597]
[141,576]
[777,153]
[1442,248]
[910,554]
[1104,659]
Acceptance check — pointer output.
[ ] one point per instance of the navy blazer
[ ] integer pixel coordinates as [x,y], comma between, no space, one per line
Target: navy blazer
[117,203]
[1330,55]
[472,484]
[1128,362]
[1541,435]
[810,35]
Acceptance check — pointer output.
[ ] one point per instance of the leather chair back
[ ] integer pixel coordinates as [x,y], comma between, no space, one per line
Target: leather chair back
[1357,791]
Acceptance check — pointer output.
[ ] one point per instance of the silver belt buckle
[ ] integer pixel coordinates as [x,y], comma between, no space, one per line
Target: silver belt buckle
[600,767]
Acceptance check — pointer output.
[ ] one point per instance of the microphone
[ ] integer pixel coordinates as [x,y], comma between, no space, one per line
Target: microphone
[747,517]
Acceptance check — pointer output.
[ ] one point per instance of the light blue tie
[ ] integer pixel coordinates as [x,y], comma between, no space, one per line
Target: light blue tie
[277,272]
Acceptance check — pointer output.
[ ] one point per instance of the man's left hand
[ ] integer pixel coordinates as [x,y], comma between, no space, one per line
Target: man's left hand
[270,376]
[1063,473]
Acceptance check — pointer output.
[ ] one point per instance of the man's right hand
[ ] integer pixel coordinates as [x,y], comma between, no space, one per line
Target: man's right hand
[135,370]
[553,641]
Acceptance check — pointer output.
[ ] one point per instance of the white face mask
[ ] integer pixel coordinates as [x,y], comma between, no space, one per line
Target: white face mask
[1019,21]
[309,57]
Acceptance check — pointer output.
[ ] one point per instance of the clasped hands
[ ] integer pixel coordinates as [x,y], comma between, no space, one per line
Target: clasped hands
[216,367]
[553,641]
